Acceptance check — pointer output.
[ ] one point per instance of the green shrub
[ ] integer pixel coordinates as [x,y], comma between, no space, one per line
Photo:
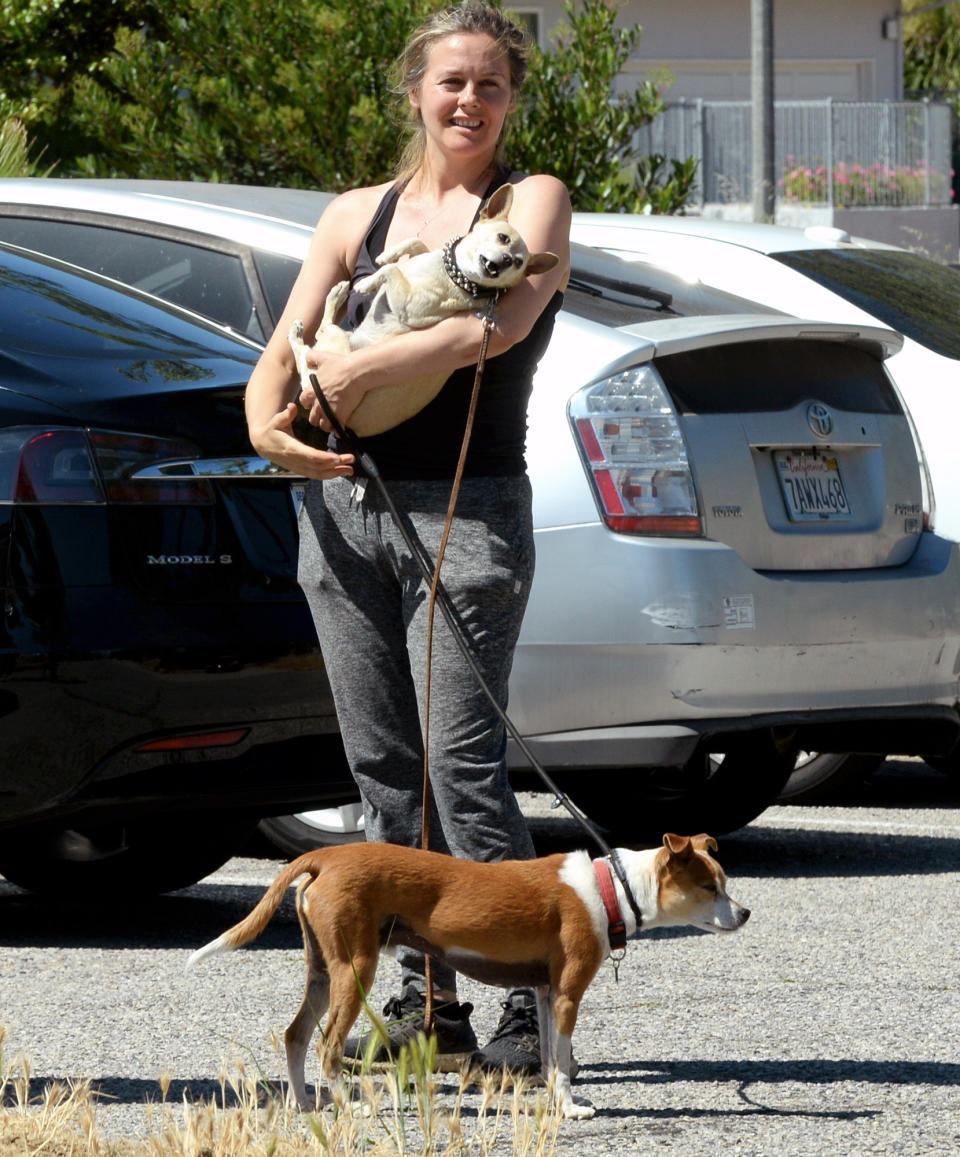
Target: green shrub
[577,124]
[282,92]
[15,159]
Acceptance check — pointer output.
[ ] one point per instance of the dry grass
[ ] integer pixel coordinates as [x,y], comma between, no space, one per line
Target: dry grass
[400,1114]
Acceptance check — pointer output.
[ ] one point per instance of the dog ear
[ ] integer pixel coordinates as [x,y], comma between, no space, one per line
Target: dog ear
[704,843]
[498,205]
[677,845]
[540,263]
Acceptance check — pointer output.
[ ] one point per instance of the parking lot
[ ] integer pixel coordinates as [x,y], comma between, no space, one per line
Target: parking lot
[827,1025]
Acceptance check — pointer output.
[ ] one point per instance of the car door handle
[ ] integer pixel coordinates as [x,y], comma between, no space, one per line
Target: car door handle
[239,466]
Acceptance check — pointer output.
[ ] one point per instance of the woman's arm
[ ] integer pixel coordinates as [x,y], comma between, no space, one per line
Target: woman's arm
[541,213]
[274,384]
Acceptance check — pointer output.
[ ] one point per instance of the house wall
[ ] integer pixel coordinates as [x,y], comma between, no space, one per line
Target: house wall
[821,47]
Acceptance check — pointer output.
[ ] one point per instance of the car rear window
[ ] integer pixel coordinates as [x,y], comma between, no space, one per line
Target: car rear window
[605,289]
[777,374]
[912,294]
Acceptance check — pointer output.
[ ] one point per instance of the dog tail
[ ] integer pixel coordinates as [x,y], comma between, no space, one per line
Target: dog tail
[254,923]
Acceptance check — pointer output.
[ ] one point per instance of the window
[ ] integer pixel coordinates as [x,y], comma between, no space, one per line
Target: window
[912,294]
[277,275]
[532,20]
[208,281]
[606,289]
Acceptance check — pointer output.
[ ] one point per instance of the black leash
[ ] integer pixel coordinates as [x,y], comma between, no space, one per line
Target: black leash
[351,444]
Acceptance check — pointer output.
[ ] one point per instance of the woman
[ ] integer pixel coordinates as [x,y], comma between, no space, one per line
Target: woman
[459,79]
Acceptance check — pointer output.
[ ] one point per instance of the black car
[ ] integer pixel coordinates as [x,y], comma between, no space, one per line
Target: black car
[160,684]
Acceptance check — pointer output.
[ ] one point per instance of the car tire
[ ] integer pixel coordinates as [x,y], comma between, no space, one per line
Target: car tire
[711,793]
[109,861]
[946,764]
[295,834]
[821,777]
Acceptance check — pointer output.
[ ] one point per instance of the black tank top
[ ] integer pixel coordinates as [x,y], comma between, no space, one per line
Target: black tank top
[428,444]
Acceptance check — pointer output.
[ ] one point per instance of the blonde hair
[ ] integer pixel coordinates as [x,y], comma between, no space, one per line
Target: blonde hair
[411,65]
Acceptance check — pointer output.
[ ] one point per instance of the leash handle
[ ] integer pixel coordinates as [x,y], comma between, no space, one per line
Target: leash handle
[348,440]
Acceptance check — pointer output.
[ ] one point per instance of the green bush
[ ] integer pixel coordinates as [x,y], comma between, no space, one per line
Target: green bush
[576,124]
[282,92]
[257,92]
[15,159]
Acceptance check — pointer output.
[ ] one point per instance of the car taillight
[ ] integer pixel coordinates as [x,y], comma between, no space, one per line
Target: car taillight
[200,741]
[69,465]
[633,450]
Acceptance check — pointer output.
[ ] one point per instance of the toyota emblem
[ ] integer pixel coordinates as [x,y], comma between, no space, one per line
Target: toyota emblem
[819,419]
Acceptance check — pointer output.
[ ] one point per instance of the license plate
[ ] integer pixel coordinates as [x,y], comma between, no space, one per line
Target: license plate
[812,486]
[297,491]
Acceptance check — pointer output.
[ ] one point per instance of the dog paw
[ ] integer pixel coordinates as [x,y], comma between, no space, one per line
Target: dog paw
[576,1109]
[295,334]
[369,284]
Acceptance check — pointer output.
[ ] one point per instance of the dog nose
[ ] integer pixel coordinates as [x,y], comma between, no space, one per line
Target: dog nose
[744,915]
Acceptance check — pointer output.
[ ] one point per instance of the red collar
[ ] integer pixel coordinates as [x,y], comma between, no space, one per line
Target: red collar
[616,929]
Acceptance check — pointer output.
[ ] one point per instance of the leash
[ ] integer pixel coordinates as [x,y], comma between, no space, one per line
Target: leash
[487,321]
[430,572]
[427,571]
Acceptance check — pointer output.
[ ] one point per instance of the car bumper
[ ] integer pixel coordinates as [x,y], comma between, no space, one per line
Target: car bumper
[633,649]
[146,731]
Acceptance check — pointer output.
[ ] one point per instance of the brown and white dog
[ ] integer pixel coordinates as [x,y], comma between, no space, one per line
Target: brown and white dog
[535,923]
[429,286]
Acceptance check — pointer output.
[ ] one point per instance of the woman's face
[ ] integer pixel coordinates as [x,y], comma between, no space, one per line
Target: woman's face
[465,94]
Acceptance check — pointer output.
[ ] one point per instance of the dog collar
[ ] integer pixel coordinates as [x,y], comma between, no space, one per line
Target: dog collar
[616,929]
[458,277]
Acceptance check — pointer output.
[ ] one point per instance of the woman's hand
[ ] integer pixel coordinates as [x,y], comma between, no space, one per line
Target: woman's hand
[277,442]
[342,393]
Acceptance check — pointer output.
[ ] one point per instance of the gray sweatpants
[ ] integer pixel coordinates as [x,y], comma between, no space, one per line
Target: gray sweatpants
[370,606]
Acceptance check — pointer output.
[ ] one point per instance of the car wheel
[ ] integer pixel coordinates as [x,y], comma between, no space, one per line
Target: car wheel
[121,860]
[711,793]
[819,777]
[295,834]
[948,764]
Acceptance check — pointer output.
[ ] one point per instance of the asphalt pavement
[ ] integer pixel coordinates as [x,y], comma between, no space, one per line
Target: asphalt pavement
[828,1025]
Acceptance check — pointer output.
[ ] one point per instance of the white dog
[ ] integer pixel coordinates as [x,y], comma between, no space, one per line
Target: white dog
[429,286]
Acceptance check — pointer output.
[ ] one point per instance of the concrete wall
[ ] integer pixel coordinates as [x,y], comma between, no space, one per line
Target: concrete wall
[822,47]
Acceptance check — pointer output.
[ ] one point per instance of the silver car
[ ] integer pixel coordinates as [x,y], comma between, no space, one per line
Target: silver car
[730,506]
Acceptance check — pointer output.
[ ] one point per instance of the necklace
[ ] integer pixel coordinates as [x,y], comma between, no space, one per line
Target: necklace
[427,220]
[438,211]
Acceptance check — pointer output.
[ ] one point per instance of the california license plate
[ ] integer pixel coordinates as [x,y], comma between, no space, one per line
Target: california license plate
[812,486]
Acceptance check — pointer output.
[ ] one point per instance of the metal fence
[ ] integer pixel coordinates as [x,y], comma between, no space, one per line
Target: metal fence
[828,152]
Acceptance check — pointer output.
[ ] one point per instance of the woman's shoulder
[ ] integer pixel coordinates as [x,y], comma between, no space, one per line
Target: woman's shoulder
[539,187]
[541,203]
[356,205]
[343,224]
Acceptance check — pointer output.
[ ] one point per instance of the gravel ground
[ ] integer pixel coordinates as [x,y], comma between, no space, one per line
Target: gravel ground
[829,1024]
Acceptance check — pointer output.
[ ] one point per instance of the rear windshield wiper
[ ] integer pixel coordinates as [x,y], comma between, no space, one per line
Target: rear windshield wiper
[596,286]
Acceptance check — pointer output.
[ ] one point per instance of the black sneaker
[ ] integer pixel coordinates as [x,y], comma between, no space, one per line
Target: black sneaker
[404,1016]
[515,1044]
